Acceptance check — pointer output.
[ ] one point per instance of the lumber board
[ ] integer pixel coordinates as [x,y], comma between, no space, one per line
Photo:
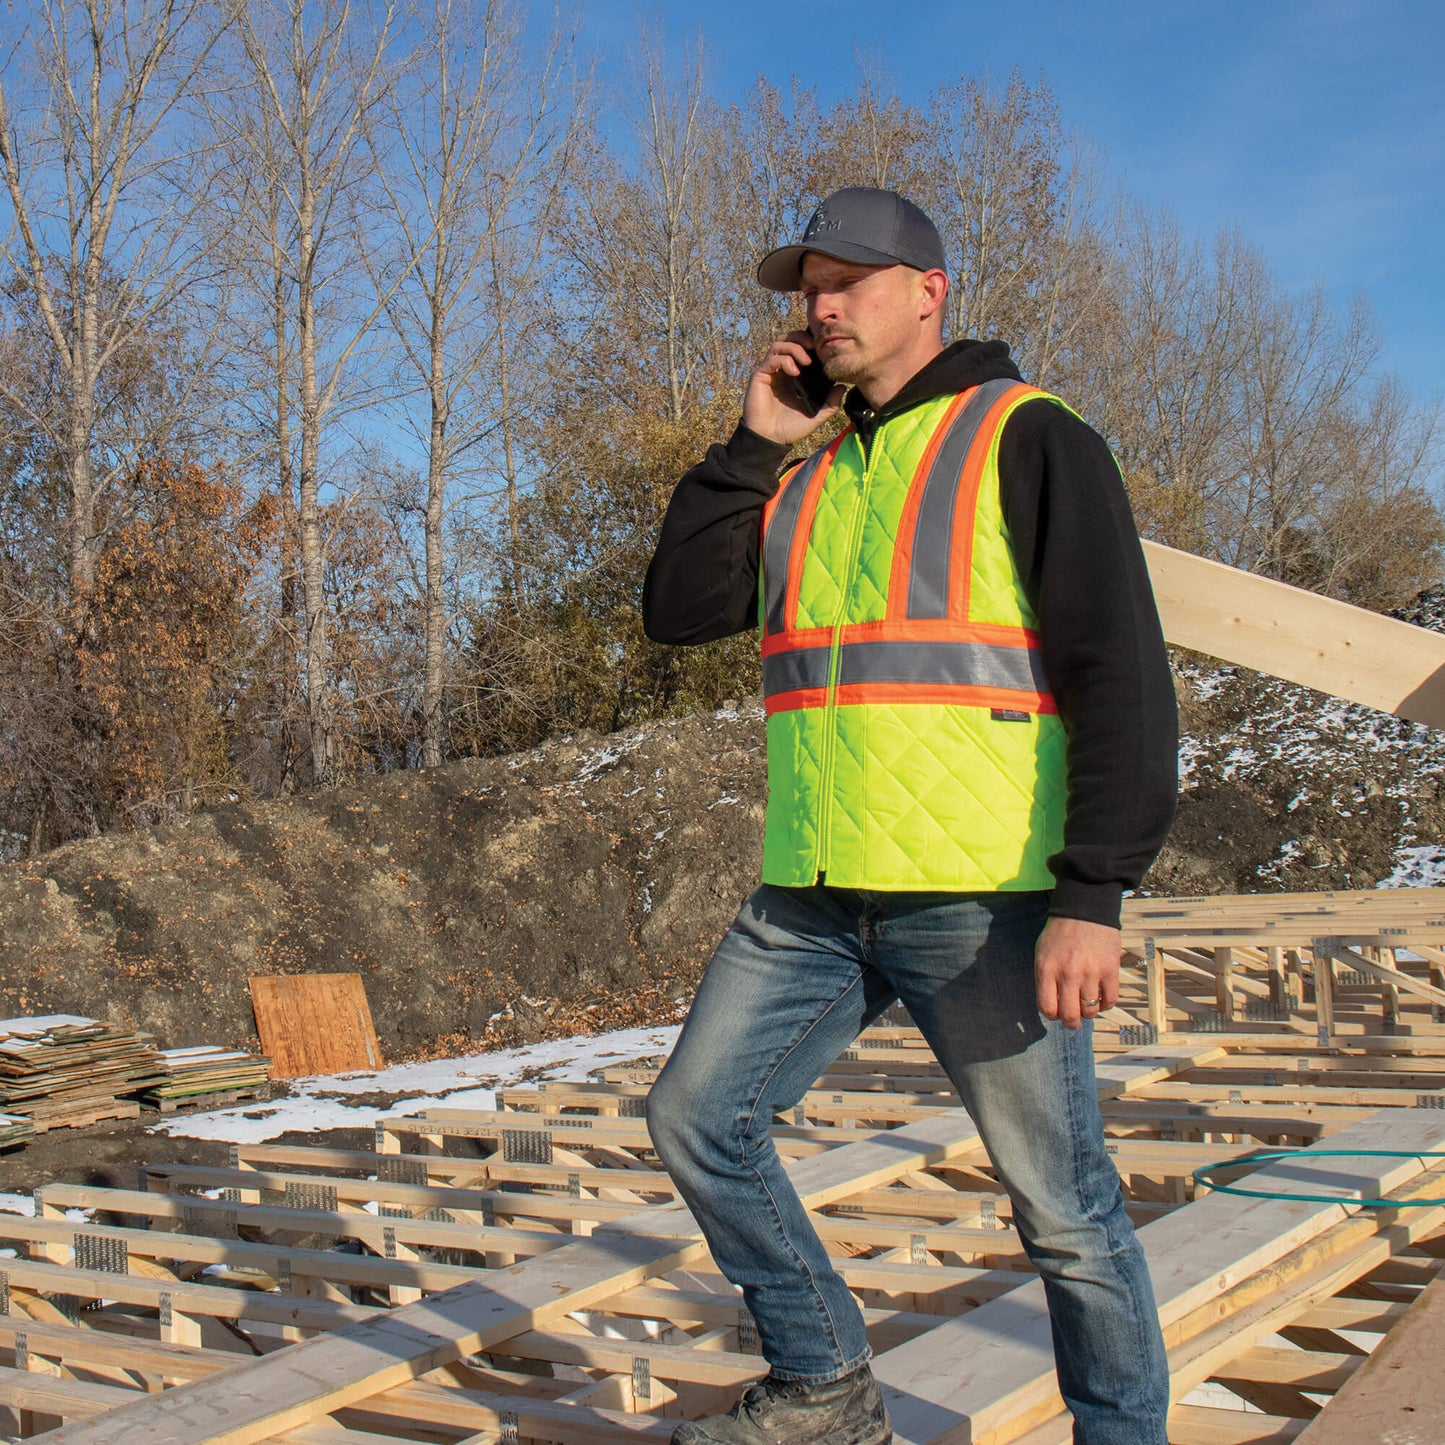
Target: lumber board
[1300,636]
[965,1378]
[185,1297]
[1395,978]
[314,1023]
[320,1375]
[1397,1395]
[431,1405]
[254,1401]
[353,1191]
[915,1227]
[272,1260]
[1202,1425]
[351,1224]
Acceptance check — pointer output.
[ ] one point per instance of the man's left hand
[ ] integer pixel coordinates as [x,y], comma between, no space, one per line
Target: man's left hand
[1076,968]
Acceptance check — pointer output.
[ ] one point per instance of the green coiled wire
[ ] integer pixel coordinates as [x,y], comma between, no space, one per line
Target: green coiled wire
[1268,1156]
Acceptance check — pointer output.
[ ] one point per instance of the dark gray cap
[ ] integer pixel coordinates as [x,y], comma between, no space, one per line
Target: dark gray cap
[876,228]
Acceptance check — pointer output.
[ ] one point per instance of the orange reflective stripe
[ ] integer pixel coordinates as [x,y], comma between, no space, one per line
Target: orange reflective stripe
[966,505]
[794,701]
[1005,699]
[894,694]
[801,637]
[937,629]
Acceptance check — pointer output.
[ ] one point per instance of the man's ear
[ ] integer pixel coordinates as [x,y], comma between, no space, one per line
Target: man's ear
[934,289]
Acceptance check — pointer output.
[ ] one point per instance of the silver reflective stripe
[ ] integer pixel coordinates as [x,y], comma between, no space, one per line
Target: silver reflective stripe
[933,531]
[789,671]
[778,544]
[959,664]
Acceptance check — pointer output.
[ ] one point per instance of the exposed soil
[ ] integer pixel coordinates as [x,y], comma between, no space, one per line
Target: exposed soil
[487,903]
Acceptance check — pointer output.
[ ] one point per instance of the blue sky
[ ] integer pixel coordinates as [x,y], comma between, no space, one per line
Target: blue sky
[1316,126]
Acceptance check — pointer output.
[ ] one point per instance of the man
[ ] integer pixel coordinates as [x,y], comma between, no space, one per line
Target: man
[971,754]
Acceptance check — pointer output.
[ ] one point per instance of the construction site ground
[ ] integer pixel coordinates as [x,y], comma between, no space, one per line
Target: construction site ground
[518,1268]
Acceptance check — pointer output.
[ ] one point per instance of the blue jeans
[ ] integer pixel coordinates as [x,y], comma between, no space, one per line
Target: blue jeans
[795,978]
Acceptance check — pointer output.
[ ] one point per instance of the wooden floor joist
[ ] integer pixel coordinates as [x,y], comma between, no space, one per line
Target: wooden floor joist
[527,1274]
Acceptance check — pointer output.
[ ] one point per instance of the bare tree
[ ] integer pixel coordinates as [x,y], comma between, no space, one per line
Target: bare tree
[1015,199]
[870,138]
[315,72]
[1301,364]
[485,139]
[1172,373]
[1378,536]
[651,245]
[103,191]
[253,218]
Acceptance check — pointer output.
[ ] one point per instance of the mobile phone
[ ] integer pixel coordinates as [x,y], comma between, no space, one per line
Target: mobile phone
[813,387]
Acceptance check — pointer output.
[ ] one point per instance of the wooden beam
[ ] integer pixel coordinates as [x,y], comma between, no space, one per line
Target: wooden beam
[257,1400]
[1300,636]
[1398,1392]
[964,1380]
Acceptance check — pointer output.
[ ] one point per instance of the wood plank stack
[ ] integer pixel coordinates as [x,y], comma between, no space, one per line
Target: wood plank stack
[66,1074]
[207,1075]
[15,1129]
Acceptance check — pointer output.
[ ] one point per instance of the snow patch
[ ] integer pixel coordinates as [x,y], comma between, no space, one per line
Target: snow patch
[1191,753]
[467,1082]
[1417,868]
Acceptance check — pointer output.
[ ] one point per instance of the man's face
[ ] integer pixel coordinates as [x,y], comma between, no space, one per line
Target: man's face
[862,317]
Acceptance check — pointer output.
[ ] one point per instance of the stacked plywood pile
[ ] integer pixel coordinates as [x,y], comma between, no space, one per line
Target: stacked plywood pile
[65,1073]
[207,1075]
[15,1129]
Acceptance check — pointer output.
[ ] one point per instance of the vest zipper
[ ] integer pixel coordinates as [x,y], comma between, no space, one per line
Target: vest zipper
[830,709]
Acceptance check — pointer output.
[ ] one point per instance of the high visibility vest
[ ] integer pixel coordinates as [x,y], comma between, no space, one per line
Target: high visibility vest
[912,739]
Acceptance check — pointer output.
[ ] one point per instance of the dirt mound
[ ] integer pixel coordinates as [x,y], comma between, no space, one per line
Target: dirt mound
[488,902]
[581,886]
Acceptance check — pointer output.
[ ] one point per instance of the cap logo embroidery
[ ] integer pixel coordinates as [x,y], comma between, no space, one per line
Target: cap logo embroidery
[820,222]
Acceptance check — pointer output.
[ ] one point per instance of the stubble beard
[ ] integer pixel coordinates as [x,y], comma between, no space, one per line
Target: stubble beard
[843,368]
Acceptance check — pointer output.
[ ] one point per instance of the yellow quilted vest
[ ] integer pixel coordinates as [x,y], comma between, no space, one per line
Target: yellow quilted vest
[912,739]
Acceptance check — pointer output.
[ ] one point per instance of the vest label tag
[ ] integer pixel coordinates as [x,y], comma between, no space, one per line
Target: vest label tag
[1008,714]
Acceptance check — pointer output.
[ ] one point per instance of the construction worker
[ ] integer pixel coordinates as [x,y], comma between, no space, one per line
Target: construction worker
[971,755]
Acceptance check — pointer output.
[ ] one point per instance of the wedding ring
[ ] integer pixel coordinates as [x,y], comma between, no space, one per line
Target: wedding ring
[1088,1003]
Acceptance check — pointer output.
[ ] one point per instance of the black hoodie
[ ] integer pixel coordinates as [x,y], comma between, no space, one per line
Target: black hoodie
[1079,556]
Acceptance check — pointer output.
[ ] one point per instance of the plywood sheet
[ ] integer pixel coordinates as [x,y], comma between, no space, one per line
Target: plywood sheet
[314,1023]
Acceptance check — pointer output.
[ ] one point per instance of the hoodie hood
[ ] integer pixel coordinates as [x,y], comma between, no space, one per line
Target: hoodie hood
[955,368]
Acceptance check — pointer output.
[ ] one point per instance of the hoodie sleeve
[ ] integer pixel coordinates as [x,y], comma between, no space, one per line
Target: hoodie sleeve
[702,583]
[1103,651]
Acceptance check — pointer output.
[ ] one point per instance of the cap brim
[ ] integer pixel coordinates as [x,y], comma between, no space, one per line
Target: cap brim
[782,270]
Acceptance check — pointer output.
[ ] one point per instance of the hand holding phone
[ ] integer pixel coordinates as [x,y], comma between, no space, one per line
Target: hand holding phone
[780,404]
[813,386]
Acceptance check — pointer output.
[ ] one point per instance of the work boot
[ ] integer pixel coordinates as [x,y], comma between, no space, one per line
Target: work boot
[798,1412]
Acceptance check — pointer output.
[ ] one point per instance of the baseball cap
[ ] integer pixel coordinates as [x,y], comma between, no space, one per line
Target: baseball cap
[876,228]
